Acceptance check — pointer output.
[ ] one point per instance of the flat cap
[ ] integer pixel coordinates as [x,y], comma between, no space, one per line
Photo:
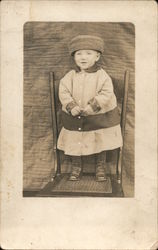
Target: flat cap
[86,42]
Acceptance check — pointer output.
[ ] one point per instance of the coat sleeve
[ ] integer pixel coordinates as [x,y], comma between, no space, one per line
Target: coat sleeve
[105,97]
[65,92]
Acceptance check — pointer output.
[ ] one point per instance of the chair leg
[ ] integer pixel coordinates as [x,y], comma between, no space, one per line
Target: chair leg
[56,170]
[119,166]
[58,163]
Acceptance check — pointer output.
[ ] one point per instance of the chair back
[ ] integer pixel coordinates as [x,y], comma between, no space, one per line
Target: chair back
[121,92]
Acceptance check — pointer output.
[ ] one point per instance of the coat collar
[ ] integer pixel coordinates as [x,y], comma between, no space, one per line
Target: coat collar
[92,69]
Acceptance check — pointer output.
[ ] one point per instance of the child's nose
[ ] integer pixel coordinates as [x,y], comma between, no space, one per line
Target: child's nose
[83,56]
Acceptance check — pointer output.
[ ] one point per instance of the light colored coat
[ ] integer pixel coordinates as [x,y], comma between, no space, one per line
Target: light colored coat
[81,87]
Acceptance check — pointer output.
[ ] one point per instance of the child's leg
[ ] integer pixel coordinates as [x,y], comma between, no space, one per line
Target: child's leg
[76,162]
[100,166]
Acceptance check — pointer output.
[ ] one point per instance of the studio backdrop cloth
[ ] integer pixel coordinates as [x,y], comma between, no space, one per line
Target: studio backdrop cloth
[45,50]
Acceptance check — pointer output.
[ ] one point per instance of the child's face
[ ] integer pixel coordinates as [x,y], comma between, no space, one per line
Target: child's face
[86,58]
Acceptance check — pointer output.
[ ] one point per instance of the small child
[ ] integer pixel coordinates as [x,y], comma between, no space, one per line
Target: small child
[91,122]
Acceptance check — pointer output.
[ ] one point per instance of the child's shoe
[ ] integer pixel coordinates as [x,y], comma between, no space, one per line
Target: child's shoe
[100,167]
[100,174]
[76,168]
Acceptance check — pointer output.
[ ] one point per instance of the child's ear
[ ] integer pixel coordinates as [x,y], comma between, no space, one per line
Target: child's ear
[98,56]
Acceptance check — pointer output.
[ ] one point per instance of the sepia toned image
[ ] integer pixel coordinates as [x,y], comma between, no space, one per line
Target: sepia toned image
[78,125]
[79,109]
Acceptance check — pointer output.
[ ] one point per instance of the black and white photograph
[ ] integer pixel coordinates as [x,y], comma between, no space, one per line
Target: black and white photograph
[79,109]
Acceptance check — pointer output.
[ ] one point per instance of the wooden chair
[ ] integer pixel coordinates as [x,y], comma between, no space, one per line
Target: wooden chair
[121,91]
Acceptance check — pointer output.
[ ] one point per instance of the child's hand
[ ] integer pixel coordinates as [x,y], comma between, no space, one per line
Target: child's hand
[87,110]
[75,111]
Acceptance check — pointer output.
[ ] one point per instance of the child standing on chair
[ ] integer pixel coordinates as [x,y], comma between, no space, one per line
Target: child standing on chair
[91,122]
